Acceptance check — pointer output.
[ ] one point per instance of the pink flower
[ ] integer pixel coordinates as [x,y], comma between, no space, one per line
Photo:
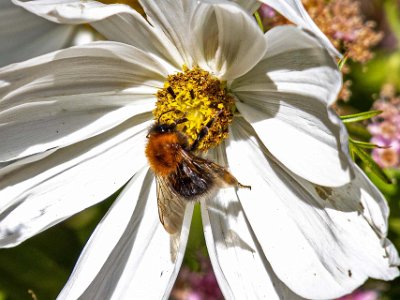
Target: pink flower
[266,11]
[386,132]
[361,295]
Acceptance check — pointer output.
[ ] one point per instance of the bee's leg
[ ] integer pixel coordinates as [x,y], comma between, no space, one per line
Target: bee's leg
[229,179]
[225,176]
[203,132]
[242,186]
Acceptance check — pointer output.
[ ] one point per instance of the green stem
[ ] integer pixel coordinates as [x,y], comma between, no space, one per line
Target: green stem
[259,21]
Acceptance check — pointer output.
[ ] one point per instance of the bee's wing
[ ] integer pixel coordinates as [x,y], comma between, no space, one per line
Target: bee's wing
[220,174]
[171,207]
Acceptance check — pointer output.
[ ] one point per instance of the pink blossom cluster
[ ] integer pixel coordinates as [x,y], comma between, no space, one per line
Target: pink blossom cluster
[385,130]
[201,285]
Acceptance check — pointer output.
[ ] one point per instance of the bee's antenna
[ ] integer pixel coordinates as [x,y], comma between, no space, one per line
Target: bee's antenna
[165,112]
[179,121]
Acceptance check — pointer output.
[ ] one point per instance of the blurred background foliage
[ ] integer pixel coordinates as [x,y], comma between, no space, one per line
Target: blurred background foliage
[368,33]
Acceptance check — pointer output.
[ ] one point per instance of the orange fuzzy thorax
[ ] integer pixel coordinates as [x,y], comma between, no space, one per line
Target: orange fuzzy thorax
[163,153]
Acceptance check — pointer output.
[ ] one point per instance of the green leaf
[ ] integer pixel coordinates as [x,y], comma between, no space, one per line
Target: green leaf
[358,131]
[369,162]
[342,62]
[367,145]
[388,189]
[395,225]
[42,264]
[360,116]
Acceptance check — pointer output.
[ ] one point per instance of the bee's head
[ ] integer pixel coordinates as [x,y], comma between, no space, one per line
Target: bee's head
[162,128]
[159,127]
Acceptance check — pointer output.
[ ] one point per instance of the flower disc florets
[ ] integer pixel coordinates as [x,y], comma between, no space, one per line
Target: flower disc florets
[202,100]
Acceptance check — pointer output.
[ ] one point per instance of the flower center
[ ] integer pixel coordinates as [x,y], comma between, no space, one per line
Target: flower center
[199,98]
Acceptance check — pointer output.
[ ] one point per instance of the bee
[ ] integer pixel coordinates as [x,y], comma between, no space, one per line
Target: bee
[182,176]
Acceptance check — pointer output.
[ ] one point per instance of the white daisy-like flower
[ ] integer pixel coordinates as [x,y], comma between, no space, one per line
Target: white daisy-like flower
[24,35]
[75,123]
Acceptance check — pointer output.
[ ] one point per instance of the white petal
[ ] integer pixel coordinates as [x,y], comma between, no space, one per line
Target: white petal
[9,166]
[285,99]
[317,240]
[228,41]
[101,67]
[294,62]
[34,132]
[131,28]
[250,5]
[374,206]
[24,35]
[117,22]
[43,193]
[129,255]
[72,11]
[305,143]
[70,95]
[295,12]
[173,18]
[239,263]
[376,211]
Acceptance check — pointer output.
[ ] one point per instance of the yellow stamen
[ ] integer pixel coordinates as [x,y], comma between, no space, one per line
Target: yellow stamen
[199,97]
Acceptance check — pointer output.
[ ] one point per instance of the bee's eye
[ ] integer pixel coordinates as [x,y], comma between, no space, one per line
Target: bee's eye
[162,128]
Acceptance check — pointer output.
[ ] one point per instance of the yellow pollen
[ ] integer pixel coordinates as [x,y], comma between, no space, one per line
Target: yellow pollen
[202,100]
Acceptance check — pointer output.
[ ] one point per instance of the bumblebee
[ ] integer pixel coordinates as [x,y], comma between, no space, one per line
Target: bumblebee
[182,176]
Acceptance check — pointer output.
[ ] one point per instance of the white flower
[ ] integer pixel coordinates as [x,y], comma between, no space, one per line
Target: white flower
[75,124]
[24,35]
